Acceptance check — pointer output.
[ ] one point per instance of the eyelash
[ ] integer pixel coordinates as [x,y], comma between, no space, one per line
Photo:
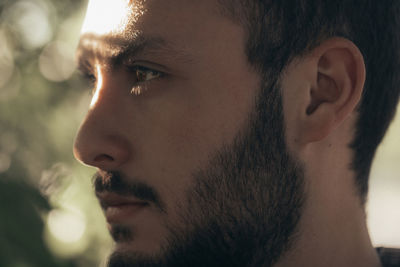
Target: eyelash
[92,79]
[139,86]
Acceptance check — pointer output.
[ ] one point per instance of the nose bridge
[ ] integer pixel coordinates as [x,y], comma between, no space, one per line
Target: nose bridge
[105,97]
[100,140]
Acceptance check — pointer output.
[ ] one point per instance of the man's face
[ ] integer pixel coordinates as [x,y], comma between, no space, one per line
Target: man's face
[187,137]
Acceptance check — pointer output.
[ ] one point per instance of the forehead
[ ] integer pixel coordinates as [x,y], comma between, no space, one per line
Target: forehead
[111,17]
[111,26]
[128,18]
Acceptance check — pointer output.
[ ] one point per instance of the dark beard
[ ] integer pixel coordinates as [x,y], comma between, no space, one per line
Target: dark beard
[244,208]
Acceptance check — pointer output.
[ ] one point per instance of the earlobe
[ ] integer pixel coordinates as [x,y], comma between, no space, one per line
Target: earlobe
[339,78]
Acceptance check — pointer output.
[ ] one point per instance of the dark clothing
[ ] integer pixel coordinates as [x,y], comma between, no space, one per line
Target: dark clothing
[390,257]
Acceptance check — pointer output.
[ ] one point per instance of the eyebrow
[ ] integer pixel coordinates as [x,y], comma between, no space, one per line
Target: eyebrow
[113,50]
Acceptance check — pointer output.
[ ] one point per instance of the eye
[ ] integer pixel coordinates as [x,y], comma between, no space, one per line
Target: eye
[89,79]
[144,74]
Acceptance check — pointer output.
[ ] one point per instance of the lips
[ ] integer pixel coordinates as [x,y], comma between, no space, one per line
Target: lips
[119,209]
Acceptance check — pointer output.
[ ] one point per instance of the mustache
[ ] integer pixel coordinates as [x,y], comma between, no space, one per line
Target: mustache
[113,182]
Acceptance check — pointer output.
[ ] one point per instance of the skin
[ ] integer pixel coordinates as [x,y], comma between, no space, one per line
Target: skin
[171,125]
[179,120]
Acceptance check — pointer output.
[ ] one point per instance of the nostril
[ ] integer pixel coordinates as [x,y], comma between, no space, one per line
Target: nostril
[103,157]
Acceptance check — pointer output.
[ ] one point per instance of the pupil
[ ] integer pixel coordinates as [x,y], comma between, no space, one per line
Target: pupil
[141,75]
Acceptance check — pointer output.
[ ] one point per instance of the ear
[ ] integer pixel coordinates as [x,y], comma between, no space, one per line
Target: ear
[335,75]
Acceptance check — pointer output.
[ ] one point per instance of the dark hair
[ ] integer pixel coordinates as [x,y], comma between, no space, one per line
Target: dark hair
[281,30]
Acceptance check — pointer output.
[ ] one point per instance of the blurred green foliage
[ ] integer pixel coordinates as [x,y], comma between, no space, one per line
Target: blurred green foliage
[48,214]
[22,227]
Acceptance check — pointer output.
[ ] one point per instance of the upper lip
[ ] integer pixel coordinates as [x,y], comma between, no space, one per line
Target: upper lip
[108,199]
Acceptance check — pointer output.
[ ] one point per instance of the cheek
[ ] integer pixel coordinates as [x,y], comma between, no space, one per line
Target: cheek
[184,137]
[196,119]
[195,129]
[177,135]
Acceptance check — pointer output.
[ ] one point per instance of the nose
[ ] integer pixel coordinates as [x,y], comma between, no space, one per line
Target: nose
[101,141]
[95,148]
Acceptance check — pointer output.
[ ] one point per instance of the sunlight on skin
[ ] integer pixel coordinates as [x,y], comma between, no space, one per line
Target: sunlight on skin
[99,85]
[120,13]
[117,16]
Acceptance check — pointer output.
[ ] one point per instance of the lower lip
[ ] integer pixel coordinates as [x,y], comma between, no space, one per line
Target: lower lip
[121,213]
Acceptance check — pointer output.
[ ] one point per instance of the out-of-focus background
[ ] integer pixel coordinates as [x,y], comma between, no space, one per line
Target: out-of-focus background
[48,213]
[42,101]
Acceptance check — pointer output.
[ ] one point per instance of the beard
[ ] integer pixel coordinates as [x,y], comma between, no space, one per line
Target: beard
[242,209]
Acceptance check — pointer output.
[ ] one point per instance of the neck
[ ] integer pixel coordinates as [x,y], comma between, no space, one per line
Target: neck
[332,230]
[337,238]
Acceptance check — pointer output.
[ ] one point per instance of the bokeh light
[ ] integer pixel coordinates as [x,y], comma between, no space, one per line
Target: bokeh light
[42,102]
[30,20]
[6,59]
[56,62]
[66,232]
[66,226]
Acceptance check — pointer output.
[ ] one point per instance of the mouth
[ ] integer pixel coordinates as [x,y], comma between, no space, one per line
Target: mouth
[119,209]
